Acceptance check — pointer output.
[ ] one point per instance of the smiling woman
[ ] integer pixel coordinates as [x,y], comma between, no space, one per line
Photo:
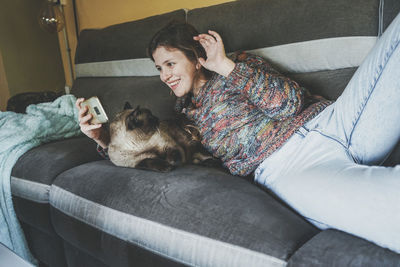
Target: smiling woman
[186,59]
[180,74]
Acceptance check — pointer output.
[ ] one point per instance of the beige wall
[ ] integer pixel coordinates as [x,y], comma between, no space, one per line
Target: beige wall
[4,92]
[103,13]
[31,56]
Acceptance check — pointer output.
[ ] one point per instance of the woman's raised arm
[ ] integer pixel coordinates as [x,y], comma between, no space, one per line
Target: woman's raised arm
[217,60]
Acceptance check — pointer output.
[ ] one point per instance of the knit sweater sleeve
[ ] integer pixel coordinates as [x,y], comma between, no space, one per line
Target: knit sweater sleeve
[276,95]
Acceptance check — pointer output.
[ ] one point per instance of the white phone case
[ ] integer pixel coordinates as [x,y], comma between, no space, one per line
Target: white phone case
[96,109]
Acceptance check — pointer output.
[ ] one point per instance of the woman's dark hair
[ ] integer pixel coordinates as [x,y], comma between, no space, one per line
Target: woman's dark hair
[180,36]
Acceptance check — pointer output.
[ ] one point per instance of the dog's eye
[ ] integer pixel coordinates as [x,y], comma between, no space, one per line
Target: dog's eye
[133,123]
[130,122]
[138,123]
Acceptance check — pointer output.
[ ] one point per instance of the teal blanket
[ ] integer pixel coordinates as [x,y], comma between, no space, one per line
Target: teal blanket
[18,133]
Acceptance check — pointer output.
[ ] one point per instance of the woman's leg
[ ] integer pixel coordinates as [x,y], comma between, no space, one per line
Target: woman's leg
[318,178]
[366,117]
[315,171]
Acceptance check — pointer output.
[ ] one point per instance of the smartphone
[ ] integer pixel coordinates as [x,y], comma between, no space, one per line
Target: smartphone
[96,109]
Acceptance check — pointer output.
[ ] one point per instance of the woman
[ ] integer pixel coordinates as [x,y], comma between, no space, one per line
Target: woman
[316,155]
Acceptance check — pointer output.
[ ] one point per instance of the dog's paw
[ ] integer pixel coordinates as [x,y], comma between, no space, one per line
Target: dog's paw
[174,157]
[211,162]
[164,167]
[155,164]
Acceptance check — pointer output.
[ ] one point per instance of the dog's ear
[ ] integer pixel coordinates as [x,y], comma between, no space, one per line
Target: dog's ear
[127,106]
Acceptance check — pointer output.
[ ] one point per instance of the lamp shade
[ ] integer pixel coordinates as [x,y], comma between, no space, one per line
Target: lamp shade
[50,17]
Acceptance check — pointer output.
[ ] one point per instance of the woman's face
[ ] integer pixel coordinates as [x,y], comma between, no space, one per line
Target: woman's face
[176,70]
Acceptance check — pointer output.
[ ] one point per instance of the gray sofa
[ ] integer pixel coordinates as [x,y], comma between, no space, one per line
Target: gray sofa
[78,209]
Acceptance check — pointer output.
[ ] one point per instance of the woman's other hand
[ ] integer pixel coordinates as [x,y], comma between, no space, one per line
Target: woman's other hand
[216,58]
[93,131]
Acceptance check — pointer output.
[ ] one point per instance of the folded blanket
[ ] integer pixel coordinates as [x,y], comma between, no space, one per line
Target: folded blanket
[18,133]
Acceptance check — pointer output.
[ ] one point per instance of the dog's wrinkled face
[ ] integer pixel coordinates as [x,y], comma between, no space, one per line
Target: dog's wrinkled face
[139,122]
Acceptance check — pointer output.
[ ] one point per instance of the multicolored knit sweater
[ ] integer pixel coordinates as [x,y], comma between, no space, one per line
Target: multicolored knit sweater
[245,117]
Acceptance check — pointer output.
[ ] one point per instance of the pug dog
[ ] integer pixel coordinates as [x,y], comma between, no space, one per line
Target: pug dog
[138,139]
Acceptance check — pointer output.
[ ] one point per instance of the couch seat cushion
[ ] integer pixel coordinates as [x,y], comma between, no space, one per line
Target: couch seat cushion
[35,171]
[336,248]
[193,215]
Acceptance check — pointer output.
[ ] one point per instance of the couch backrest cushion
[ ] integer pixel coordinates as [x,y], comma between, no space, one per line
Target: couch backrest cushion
[122,41]
[120,50]
[318,43]
[111,63]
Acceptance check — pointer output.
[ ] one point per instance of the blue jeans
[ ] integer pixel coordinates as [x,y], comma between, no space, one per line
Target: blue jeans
[325,170]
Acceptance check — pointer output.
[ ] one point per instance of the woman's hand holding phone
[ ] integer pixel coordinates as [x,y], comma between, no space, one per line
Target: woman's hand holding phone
[93,131]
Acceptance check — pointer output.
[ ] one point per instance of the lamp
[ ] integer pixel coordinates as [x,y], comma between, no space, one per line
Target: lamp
[50,17]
